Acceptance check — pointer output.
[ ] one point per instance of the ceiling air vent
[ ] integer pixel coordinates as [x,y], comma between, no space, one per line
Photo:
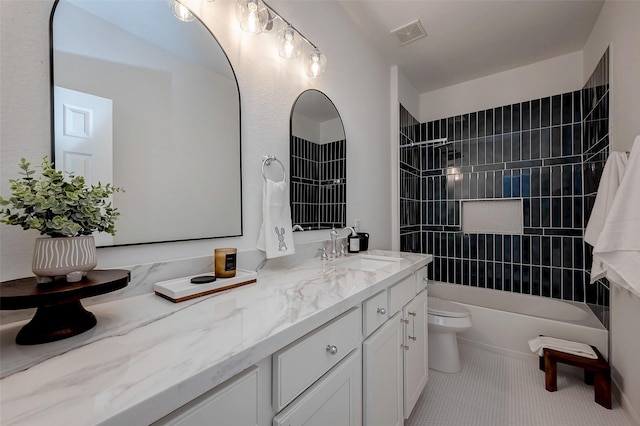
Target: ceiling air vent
[410,32]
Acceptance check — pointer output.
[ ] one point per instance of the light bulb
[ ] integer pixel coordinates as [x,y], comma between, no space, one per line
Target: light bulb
[289,45]
[181,12]
[252,15]
[315,64]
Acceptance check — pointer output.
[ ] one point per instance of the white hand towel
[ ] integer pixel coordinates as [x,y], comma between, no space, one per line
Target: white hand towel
[276,234]
[616,254]
[609,183]
[538,344]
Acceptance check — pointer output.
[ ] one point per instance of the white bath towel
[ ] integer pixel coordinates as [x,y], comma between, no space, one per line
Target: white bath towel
[538,344]
[609,183]
[616,254]
[276,234]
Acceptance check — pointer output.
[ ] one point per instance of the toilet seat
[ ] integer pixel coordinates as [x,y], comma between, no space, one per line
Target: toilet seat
[445,308]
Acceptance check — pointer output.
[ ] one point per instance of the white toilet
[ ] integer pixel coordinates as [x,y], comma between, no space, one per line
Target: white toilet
[445,320]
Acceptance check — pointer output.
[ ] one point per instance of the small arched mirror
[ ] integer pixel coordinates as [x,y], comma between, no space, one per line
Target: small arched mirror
[318,163]
[145,97]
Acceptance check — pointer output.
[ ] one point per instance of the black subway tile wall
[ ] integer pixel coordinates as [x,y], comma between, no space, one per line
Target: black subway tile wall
[595,144]
[533,150]
[318,184]
[411,189]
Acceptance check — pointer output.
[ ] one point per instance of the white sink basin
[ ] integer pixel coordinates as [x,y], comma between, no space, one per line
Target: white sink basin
[366,262]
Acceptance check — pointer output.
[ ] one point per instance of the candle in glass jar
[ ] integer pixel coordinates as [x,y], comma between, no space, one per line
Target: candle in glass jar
[225,262]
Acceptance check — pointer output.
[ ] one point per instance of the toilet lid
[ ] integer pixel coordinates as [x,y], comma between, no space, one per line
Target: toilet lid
[446,308]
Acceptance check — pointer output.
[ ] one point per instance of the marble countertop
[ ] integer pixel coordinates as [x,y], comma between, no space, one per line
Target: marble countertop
[148,356]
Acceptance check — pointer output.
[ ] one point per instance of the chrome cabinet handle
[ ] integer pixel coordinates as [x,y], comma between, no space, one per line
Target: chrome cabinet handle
[382,311]
[332,349]
[413,314]
[412,338]
[404,321]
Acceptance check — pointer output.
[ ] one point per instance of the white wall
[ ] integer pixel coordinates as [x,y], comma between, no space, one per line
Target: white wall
[268,89]
[551,77]
[617,27]
[331,130]
[409,96]
[316,131]
[305,128]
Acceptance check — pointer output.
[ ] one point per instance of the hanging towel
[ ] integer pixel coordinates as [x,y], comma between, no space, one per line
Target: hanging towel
[609,184]
[276,233]
[616,254]
[538,344]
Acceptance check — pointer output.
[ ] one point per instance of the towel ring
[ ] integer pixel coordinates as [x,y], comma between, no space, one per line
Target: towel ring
[267,160]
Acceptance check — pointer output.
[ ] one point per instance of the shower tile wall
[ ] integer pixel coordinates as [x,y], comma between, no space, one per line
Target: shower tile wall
[531,150]
[318,183]
[410,185]
[595,104]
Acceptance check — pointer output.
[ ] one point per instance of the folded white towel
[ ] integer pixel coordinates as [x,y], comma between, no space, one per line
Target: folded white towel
[609,183]
[538,344]
[276,234]
[616,254]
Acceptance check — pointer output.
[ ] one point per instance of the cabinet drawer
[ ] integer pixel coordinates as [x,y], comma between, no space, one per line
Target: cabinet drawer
[233,403]
[421,279]
[374,312]
[401,293]
[303,362]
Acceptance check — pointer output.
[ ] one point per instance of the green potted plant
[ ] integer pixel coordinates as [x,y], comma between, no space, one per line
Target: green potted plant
[67,211]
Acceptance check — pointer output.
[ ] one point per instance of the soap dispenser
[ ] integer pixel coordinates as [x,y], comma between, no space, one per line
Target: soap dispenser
[353,243]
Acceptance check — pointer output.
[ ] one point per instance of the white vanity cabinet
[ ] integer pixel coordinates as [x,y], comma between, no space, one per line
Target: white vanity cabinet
[395,364]
[318,378]
[382,375]
[336,399]
[415,350]
[299,365]
[235,402]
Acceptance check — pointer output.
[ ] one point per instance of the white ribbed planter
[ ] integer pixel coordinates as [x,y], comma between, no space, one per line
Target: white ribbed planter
[71,257]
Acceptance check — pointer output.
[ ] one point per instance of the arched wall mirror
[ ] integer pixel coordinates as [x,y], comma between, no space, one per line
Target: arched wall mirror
[318,163]
[148,102]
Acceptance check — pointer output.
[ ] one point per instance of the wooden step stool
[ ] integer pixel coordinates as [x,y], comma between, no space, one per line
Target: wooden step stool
[596,372]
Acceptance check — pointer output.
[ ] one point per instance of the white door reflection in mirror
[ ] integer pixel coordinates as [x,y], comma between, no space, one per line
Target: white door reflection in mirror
[84,139]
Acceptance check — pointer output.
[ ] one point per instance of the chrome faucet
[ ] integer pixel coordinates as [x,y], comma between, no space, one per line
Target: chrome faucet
[334,236]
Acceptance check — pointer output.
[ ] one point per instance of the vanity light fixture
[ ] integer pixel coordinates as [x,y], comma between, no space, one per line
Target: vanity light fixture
[315,64]
[252,15]
[181,12]
[289,45]
[255,17]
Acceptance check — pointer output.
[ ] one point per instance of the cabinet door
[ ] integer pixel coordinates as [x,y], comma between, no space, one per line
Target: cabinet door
[416,363]
[233,403]
[336,399]
[382,381]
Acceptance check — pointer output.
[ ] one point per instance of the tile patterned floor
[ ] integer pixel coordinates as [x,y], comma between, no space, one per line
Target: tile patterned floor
[498,390]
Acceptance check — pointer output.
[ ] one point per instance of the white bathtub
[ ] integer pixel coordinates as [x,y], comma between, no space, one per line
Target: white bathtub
[504,322]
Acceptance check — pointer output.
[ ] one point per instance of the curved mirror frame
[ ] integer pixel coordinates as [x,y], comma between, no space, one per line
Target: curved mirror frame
[151,103]
[318,163]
